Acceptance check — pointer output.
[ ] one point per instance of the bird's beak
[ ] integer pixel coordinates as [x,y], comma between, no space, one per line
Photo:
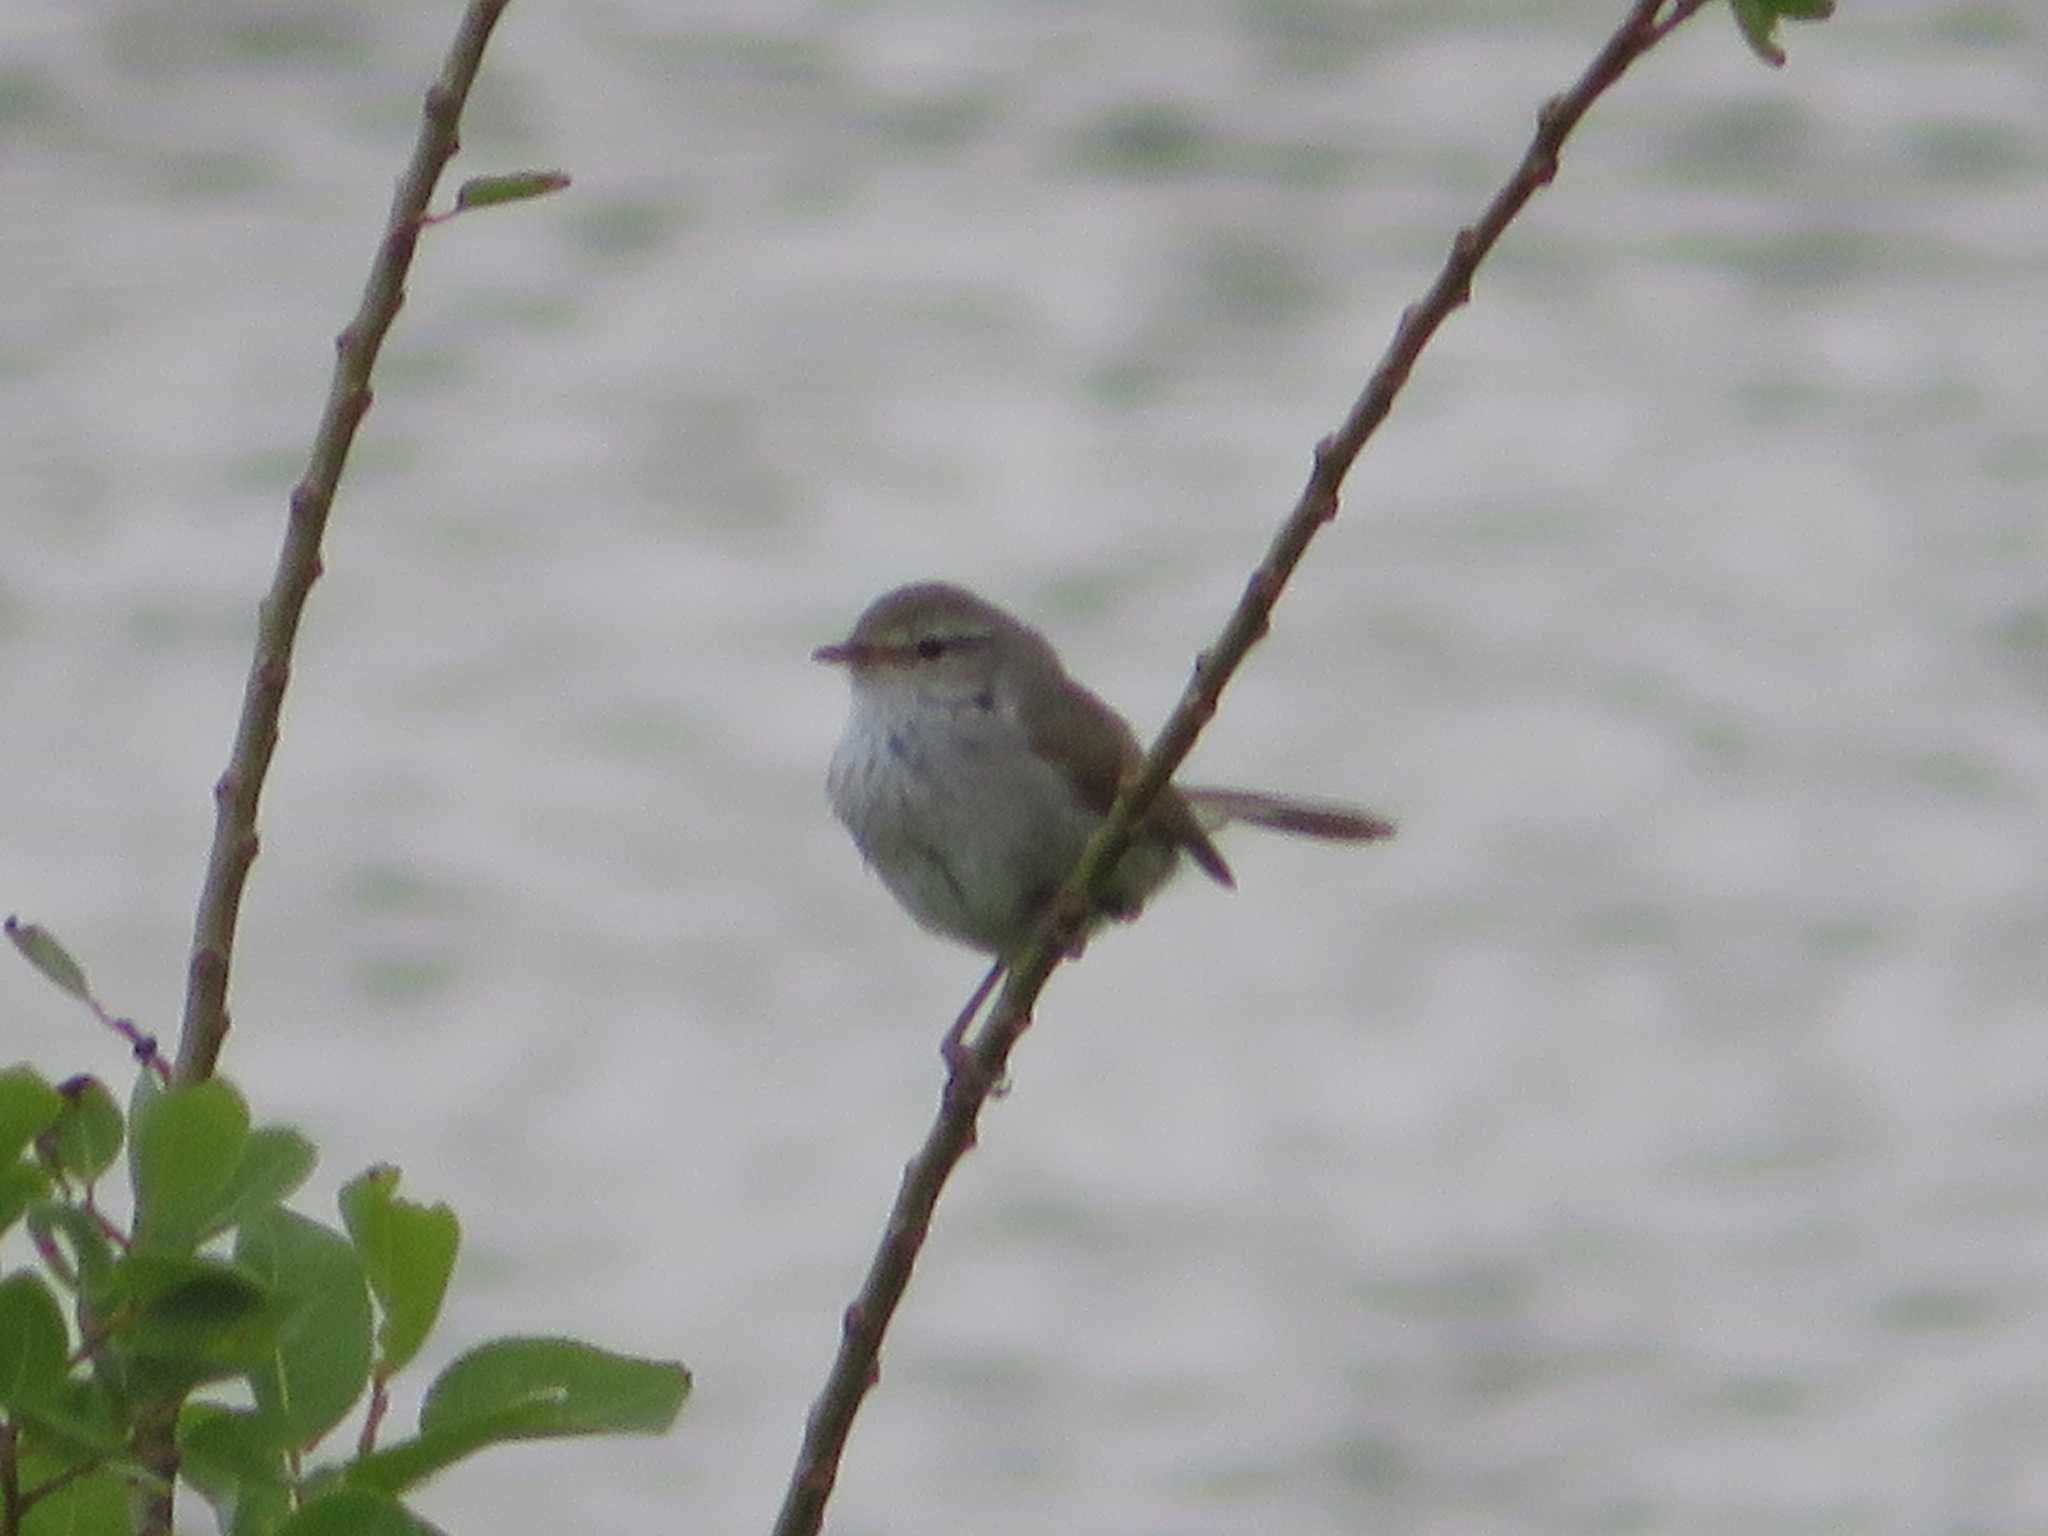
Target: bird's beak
[844,654]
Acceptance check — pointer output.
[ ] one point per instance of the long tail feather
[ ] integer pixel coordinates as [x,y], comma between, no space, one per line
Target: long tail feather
[1283,813]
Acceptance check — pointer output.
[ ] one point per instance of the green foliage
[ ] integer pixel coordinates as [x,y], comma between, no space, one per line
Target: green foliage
[185,1148]
[28,1107]
[173,1321]
[354,1512]
[1759,20]
[516,186]
[408,1251]
[275,1161]
[322,1360]
[232,1457]
[554,1387]
[21,1182]
[71,1241]
[87,1137]
[82,1506]
[32,1341]
[218,1285]
[528,1389]
[40,948]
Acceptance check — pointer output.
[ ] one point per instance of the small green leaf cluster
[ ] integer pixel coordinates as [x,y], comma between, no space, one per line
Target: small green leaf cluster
[217,1287]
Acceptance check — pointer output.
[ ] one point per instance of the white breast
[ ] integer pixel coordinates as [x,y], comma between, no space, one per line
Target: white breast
[968,829]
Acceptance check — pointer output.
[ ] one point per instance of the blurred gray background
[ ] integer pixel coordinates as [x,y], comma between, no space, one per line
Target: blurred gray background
[1654,1138]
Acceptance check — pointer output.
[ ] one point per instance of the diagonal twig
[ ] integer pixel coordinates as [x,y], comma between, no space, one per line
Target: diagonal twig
[856,1364]
[240,787]
[298,561]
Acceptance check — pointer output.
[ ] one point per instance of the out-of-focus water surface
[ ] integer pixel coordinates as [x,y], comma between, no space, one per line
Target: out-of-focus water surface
[1654,1138]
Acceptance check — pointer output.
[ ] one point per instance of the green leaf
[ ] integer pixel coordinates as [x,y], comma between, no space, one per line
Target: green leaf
[407,1463]
[487,191]
[33,1342]
[21,1184]
[527,1389]
[581,1389]
[229,1455]
[90,1505]
[40,948]
[28,1107]
[70,1241]
[408,1251]
[87,1136]
[187,1320]
[259,1510]
[184,1147]
[77,1422]
[218,1445]
[275,1162]
[321,1360]
[352,1511]
[1759,20]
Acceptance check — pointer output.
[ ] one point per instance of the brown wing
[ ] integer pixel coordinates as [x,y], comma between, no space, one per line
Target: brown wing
[1073,726]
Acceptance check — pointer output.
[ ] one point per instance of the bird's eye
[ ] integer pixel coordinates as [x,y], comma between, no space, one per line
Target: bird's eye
[931,648]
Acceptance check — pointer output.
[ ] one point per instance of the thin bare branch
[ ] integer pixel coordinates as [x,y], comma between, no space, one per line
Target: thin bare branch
[298,561]
[240,788]
[856,1365]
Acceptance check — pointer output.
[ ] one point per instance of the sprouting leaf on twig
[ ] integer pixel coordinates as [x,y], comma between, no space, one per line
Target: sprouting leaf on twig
[489,191]
[40,948]
[1759,22]
[483,191]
